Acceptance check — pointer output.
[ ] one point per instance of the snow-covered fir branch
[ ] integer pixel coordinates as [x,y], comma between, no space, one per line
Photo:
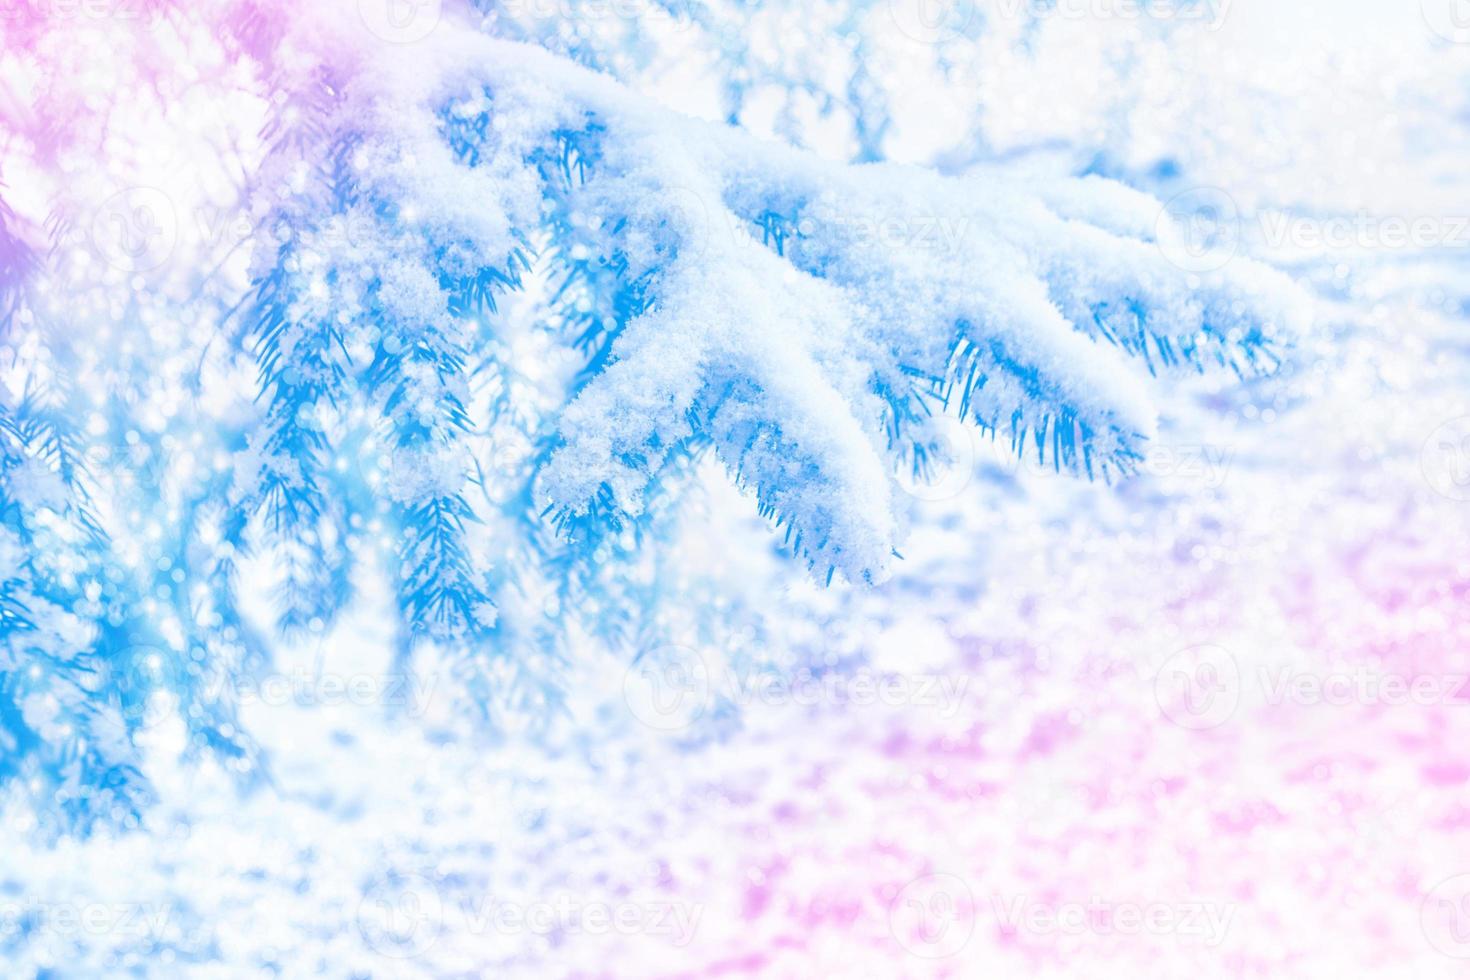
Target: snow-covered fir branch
[492,310]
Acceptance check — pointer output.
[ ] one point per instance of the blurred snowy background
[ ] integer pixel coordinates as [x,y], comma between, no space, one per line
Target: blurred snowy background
[1209,720]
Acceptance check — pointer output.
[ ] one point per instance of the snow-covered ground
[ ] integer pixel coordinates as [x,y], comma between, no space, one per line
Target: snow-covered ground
[1211,721]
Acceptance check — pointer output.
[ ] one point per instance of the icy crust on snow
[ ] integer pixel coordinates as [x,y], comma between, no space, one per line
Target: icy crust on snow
[801,318]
